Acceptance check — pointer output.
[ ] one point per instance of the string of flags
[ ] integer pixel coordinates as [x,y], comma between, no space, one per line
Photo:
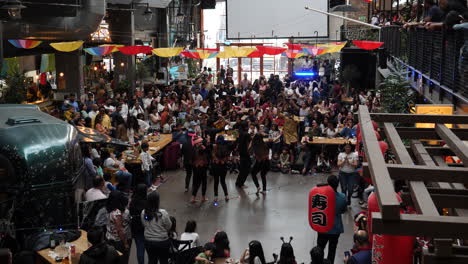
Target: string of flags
[293,50]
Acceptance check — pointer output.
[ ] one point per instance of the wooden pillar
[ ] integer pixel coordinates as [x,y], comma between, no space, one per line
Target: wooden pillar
[239,70]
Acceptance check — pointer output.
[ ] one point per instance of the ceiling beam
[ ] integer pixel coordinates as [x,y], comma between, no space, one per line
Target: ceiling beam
[423,158]
[428,133]
[455,144]
[412,118]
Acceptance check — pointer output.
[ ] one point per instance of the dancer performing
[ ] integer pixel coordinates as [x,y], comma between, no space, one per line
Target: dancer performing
[220,156]
[245,163]
[200,165]
[262,163]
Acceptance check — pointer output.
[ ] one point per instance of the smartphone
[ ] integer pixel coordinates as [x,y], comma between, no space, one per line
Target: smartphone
[346,254]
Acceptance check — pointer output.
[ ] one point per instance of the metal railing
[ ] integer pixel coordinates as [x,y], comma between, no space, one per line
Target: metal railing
[435,54]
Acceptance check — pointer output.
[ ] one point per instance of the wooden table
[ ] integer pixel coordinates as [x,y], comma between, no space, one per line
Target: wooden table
[154,147]
[348,100]
[81,246]
[331,141]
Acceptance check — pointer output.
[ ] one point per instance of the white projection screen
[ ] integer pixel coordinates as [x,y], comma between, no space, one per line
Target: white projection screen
[260,19]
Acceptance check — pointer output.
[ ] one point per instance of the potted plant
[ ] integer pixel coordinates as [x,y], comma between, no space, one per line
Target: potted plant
[14,91]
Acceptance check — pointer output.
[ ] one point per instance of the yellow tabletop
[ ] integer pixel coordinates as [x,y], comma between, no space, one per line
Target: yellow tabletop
[331,141]
[154,147]
[81,245]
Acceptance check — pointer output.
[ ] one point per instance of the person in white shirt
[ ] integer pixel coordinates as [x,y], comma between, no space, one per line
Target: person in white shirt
[190,234]
[136,109]
[147,100]
[144,125]
[146,163]
[96,193]
[124,111]
[93,113]
[197,98]
[347,162]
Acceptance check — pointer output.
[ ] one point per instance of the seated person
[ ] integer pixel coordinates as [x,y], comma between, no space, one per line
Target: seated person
[205,256]
[96,192]
[100,251]
[362,251]
[317,256]
[275,163]
[112,161]
[349,131]
[285,161]
[323,164]
[108,186]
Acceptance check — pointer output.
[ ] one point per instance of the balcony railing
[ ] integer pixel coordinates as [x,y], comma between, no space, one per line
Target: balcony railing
[435,54]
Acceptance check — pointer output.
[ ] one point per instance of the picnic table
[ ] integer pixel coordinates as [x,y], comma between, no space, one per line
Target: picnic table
[155,146]
[330,141]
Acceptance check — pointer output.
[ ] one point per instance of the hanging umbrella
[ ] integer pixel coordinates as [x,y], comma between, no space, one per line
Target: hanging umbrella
[100,51]
[255,54]
[314,50]
[344,8]
[24,43]
[293,54]
[116,46]
[367,45]
[239,51]
[297,47]
[67,46]
[223,55]
[134,50]
[168,52]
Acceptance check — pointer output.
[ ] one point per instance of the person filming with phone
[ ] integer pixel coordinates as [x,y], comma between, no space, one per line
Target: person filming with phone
[362,251]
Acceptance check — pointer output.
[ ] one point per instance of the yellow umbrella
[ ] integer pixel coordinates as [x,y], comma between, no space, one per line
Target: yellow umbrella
[67,46]
[223,55]
[167,52]
[332,47]
[116,46]
[239,51]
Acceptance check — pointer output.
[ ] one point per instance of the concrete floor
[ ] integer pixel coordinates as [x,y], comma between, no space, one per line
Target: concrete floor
[281,212]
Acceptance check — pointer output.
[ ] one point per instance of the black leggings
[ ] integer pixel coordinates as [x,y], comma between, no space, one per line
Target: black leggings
[188,175]
[199,178]
[219,171]
[262,167]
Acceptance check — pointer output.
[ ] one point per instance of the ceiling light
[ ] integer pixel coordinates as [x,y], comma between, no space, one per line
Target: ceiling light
[148,14]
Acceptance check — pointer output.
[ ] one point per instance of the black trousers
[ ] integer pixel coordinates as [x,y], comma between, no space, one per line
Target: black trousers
[244,170]
[199,178]
[157,251]
[323,239]
[262,167]
[188,174]
[219,171]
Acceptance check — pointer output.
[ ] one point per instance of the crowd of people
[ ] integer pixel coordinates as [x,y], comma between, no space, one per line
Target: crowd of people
[251,129]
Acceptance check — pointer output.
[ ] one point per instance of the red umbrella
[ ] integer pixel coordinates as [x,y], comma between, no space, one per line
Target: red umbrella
[134,50]
[270,50]
[255,54]
[190,54]
[367,45]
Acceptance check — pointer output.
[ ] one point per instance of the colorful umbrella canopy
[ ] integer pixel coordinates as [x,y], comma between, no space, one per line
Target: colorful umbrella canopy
[67,46]
[100,51]
[333,47]
[24,43]
[270,50]
[314,50]
[255,54]
[297,47]
[167,52]
[223,55]
[200,53]
[238,51]
[293,54]
[134,50]
[367,45]
[116,46]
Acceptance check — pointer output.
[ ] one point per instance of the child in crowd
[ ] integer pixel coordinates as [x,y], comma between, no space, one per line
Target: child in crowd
[108,186]
[323,164]
[204,257]
[146,163]
[154,185]
[97,162]
[285,161]
[275,163]
[190,234]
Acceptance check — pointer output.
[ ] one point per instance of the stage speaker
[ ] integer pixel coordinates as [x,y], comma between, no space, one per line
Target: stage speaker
[364,63]
[382,58]
[208,4]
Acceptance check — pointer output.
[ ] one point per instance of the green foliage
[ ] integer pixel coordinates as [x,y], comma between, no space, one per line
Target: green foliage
[142,71]
[124,86]
[15,92]
[192,68]
[396,94]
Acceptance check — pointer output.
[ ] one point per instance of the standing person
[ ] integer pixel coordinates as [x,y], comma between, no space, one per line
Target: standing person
[118,227]
[157,224]
[347,162]
[187,153]
[362,251]
[222,74]
[333,235]
[262,164]
[245,162]
[219,165]
[137,205]
[200,164]
[146,163]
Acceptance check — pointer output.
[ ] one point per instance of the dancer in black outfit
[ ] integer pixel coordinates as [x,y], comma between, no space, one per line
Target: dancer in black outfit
[219,165]
[262,163]
[187,152]
[245,162]
[200,165]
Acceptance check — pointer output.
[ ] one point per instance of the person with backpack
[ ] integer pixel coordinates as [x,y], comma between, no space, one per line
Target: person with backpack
[100,252]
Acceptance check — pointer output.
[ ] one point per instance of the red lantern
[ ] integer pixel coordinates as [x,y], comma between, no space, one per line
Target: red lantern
[322,201]
[383,146]
[367,45]
[43,79]
[385,246]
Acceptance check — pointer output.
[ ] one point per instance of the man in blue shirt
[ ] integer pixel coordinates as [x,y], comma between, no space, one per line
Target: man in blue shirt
[333,235]
[362,249]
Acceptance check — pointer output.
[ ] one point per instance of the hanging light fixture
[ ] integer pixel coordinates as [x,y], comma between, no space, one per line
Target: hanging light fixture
[14,8]
[102,33]
[148,14]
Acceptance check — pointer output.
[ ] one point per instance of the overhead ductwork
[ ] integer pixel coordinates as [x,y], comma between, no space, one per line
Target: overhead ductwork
[89,14]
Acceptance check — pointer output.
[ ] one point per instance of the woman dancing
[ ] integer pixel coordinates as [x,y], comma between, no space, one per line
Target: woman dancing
[220,156]
[262,163]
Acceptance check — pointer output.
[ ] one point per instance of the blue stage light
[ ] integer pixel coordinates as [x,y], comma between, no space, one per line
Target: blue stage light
[305,74]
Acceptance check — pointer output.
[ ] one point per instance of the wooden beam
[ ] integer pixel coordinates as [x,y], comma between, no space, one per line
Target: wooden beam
[441,162]
[421,225]
[437,190]
[424,158]
[432,258]
[441,200]
[420,196]
[453,142]
[412,118]
[424,173]
[388,203]
[428,133]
